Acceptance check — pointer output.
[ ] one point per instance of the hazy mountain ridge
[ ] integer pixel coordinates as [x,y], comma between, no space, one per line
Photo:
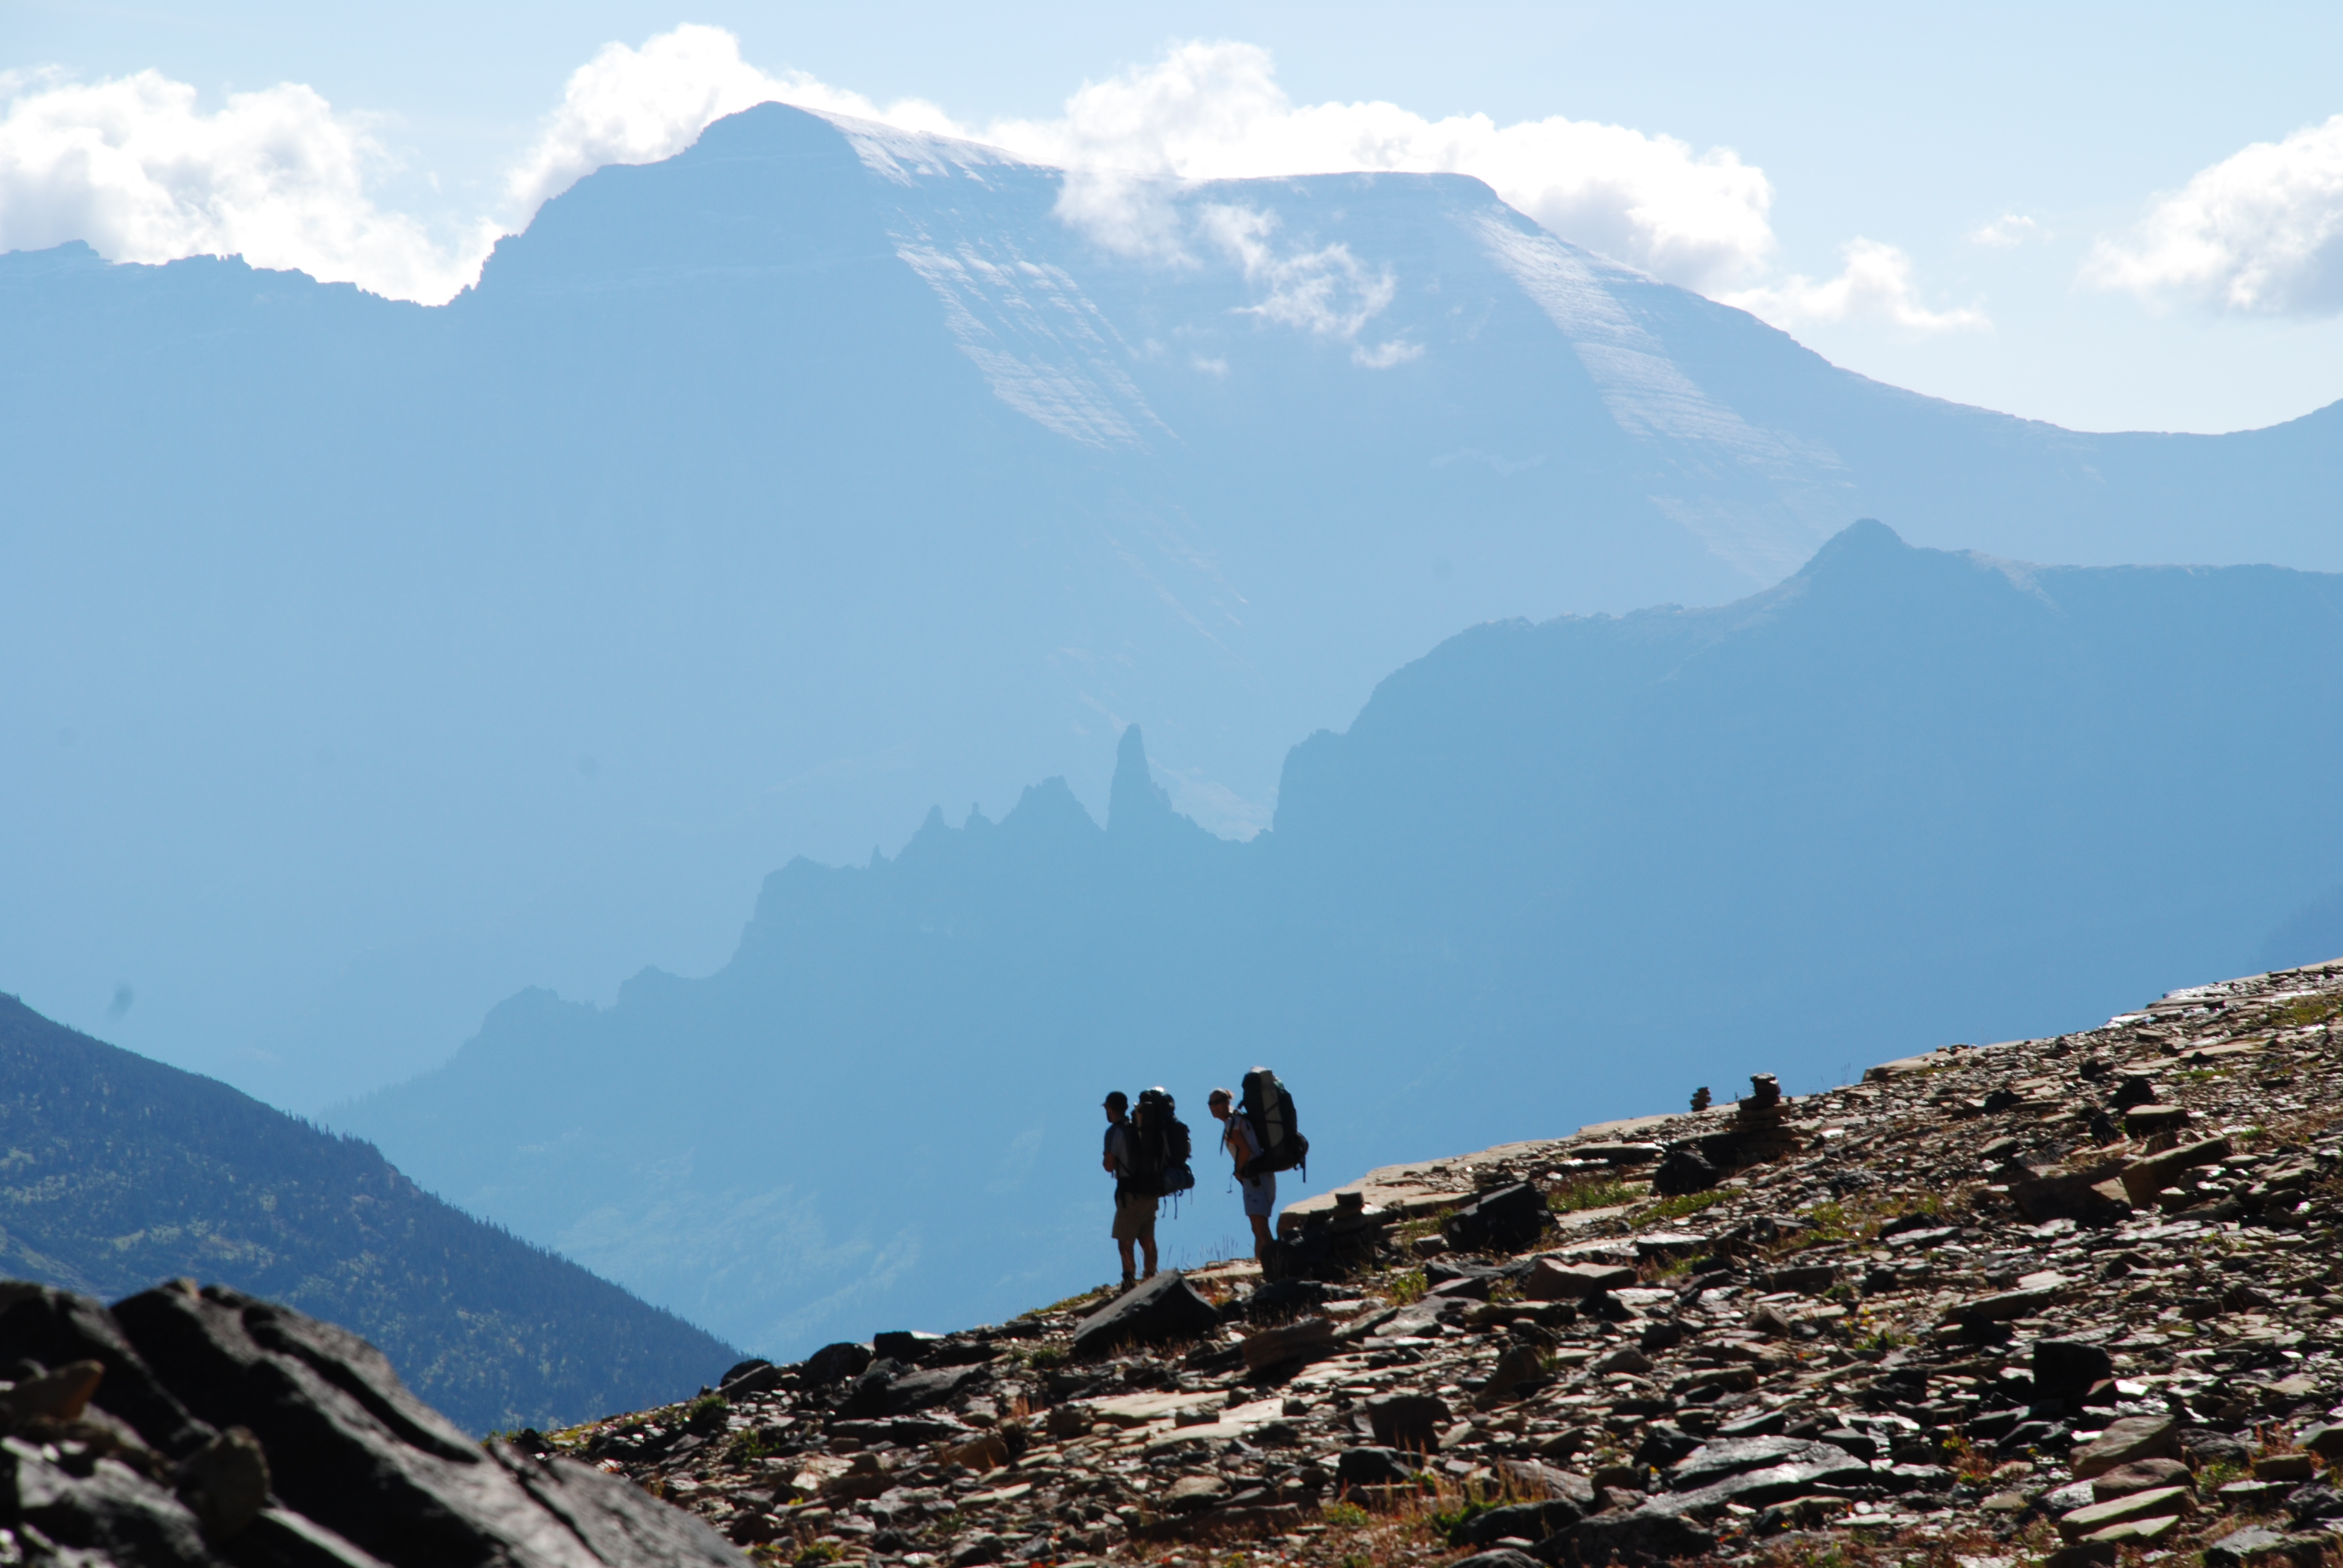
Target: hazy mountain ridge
[121,1172]
[757,498]
[1904,798]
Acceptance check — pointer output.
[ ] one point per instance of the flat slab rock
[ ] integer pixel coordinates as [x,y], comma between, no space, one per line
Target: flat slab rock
[349,1467]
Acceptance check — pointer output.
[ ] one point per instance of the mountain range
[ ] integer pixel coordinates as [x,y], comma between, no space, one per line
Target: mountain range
[370,661]
[117,1173]
[1553,871]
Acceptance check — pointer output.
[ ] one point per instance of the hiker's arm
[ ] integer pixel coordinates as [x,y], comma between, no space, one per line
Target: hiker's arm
[1107,1164]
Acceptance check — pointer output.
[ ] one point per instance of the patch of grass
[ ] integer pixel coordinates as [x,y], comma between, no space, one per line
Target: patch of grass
[757,1443]
[1589,1192]
[2305,1011]
[1408,1288]
[706,1410]
[2219,1474]
[1838,1222]
[1446,1519]
[1424,1225]
[1677,1207]
[818,1553]
[1343,1516]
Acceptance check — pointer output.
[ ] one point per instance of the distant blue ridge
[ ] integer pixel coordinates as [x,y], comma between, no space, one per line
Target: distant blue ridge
[368,662]
[1553,873]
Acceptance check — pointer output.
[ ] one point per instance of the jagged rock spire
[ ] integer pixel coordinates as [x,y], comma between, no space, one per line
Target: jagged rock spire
[1135,800]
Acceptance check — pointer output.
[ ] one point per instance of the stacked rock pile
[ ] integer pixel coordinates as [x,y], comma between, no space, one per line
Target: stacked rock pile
[2060,1300]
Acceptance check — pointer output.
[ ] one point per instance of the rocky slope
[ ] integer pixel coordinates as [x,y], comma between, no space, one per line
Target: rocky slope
[2068,1300]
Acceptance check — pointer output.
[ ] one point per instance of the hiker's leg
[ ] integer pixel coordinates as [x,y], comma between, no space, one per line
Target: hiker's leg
[1259,1202]
[1124,1248]
[1149,1245]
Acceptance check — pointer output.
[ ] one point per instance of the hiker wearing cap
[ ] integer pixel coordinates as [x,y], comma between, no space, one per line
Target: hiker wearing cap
[1134,1213]
[1259,1191]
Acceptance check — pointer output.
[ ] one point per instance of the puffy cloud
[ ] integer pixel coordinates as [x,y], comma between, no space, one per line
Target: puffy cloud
[1875,286]
[1327,293]
[2008,230]
[2259,234]
[1214,111]
[136,169]
[629,105]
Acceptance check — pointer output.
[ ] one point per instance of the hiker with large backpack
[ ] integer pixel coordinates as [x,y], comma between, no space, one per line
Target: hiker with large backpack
[1261,1138]
[1148,1156]
[1134,1206]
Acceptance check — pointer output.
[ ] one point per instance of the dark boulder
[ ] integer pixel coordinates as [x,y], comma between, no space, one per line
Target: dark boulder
[1635,1537]
[2064,1370]
[1366,1466]
[867,1397]
[1682,1170]
[1164,1308]
[1522,1520]
[1408,1421]
[920,1390]
[835,1363]
[1282,1299]
[1503,1219]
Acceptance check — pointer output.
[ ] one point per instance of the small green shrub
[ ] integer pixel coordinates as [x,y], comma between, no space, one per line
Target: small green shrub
[1344,1516]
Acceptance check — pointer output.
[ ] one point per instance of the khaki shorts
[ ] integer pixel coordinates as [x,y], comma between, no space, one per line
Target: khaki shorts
[1134,1220]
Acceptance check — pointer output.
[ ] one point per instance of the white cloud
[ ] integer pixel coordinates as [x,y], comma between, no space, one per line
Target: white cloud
[1875,286]
[629,105]
[136,169]
[1214,111]
[2008,230]
[2259,234]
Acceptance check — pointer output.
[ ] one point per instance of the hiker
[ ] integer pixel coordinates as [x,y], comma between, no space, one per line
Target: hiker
[1134,1209]
[1259,1191]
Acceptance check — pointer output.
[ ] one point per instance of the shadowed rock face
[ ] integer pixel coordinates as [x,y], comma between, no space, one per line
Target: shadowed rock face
[200,1426]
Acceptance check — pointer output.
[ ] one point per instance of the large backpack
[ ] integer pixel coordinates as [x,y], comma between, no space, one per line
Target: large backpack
[1268,1106]
[1160,1146]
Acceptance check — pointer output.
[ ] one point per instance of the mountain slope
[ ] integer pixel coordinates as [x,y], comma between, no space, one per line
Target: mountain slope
[1985,1305]
[1553,869]
[388,658]
[121,1171]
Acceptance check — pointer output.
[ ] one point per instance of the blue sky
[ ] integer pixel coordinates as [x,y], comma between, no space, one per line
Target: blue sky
[2057,212]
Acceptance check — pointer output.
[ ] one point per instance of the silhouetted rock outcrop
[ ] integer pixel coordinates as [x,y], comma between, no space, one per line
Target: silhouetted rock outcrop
[202,1427]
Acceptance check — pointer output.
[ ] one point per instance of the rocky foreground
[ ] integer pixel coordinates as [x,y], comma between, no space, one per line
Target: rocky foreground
[2068,1300]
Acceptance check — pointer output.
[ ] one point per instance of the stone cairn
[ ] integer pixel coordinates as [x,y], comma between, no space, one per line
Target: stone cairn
[1759,1133]
[1699,1097]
